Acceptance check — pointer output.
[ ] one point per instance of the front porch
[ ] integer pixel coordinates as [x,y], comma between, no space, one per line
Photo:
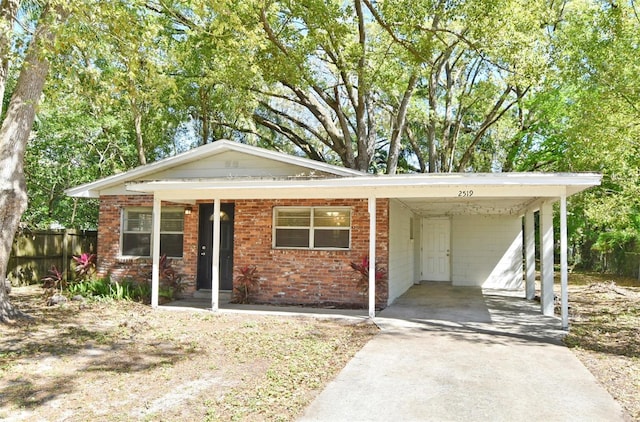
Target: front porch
[203,303]
[437,306]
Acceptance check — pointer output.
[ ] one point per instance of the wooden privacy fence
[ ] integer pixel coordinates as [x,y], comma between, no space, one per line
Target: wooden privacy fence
[34,252]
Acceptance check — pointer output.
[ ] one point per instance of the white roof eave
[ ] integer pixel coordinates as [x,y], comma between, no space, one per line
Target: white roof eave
[402,186]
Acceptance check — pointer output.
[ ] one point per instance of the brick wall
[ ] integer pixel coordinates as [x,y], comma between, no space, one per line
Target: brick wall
[110,264]
[311,277]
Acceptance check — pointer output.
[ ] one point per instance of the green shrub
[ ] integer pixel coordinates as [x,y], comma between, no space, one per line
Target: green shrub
[166,292]
[104,288]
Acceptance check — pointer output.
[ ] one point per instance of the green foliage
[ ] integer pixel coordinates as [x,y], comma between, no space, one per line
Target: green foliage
[74,142]
[108,105]
[104,288]
[491,85]
[166,293]
[595,127]
[609,242]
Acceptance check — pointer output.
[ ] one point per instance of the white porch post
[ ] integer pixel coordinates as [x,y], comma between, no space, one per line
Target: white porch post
[530,255]
[546,258]
[564,268]
[372,257]
[215,261]
[155,251]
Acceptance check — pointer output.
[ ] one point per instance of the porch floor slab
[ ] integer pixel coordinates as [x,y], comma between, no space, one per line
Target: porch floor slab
[204,304]
[464,354]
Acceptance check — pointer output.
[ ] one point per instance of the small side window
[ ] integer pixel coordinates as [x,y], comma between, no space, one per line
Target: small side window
[137,229]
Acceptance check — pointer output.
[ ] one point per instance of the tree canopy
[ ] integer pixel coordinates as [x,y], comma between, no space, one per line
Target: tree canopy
[382,86]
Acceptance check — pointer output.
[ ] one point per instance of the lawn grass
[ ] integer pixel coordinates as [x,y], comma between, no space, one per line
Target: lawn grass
[123,361]
[605,333]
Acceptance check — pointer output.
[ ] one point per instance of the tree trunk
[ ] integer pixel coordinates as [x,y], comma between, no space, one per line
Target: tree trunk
[14,134]
[364,134]
[8,10]
[137,123]
[431,128]
[399,125]
[205,115]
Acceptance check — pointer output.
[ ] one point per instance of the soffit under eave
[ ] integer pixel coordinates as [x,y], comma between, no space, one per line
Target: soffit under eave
[232,190]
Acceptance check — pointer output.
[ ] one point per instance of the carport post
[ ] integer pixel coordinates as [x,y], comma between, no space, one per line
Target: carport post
[215,261]
[546,258]
[372,257]
[155,250]
[564,268]
[530,254]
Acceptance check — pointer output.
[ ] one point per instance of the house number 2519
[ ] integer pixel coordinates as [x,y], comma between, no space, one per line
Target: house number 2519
[465,193]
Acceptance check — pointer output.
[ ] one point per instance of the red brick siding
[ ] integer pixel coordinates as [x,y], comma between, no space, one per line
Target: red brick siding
[312,277]
[111,264]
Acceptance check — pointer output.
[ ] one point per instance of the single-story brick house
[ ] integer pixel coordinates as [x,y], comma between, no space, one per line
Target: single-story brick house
[227,205]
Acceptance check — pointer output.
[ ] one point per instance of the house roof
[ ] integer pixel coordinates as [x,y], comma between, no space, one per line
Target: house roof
[93,189]
[363,186]
[295,177]
[425,194]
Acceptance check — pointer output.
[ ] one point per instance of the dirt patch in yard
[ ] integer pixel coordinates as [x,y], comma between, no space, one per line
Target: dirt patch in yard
[605,333]
[123,361]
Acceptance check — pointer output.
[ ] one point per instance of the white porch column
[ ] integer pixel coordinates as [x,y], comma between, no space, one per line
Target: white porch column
[564,267]
[155,251]
[546,258]
[215,261]
[372,257]
[530,255]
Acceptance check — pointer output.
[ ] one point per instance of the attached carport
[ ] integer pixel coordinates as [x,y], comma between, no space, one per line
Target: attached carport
[423,195]
[512,196]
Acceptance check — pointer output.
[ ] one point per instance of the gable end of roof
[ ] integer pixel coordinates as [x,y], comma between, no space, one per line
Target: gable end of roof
[92,189]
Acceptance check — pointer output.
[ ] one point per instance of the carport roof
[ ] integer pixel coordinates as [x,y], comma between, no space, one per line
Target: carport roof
[425,194]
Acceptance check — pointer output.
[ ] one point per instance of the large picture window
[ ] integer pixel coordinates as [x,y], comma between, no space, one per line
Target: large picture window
[312,228]
[137,224]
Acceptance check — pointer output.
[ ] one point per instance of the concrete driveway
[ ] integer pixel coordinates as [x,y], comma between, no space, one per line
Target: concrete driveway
[462,354]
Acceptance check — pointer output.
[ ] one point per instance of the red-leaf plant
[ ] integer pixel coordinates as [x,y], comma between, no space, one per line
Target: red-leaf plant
[53,281]
[362,268]
[246,284]
[85,265]
[170,276]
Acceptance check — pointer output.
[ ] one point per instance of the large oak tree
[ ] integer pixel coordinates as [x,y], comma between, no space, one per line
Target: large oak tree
[16,126]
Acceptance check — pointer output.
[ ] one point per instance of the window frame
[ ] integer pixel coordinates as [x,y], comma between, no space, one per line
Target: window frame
[124,218]
[311,227]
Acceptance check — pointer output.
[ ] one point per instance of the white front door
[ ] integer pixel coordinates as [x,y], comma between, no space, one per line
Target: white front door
[436,249]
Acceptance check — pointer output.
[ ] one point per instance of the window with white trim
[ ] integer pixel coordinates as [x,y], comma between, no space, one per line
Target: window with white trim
[136,231]
[312,227]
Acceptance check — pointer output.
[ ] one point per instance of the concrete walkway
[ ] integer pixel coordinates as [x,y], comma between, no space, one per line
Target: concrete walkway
[461,354]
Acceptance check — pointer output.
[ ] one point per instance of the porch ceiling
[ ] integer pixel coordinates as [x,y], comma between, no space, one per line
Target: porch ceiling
[433,207]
